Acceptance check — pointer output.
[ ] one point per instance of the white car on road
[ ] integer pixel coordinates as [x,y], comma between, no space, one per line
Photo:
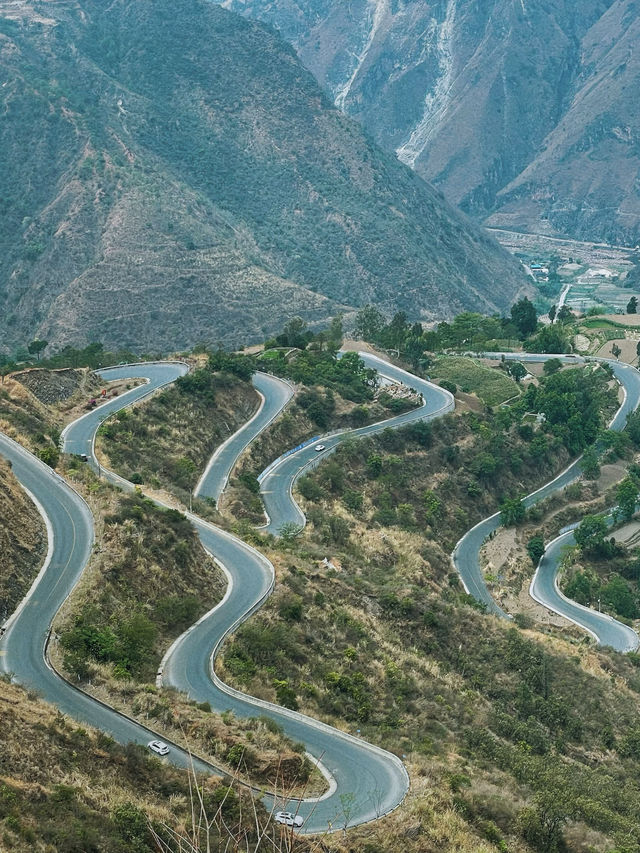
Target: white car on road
[158,746]
[288,818]
[319,447]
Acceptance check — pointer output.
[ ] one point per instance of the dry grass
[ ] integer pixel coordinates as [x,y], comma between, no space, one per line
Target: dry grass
[23,542]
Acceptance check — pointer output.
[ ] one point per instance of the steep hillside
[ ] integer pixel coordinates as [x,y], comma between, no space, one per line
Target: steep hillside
[23,542]
[517,108]
[177,176]
[584,179]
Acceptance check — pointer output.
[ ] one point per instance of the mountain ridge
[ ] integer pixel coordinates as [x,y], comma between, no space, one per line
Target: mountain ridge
[510,107]
[194,183]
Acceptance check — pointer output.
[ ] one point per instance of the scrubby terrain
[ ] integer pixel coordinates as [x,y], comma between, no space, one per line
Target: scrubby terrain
[23,542]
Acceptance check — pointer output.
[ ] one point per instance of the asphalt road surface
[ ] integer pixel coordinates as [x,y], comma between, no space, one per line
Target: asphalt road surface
[276,481]
[22,647]
[373,780]
[466,556]
[275,394]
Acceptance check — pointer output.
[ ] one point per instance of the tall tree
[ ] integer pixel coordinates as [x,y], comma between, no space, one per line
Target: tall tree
[591,532]
[627,497]
[369,323]
[564,314]
[524,317]
[632,305]
[36,347]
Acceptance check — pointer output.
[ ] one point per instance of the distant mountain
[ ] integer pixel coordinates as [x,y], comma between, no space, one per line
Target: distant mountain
[169,173]
[520,111]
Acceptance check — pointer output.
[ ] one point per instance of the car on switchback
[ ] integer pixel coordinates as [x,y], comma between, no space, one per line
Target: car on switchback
[288,818]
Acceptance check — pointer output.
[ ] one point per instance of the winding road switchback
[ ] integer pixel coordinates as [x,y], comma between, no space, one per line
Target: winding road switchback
[274,394]
[466,555]
[277,481]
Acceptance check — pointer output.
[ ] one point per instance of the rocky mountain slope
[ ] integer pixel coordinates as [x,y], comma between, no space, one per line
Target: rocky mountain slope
[521,111]
[171,174]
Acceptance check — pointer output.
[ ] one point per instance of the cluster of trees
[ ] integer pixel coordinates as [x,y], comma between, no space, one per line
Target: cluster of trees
[468,331]
[316,362]
[572,403]
[611,576]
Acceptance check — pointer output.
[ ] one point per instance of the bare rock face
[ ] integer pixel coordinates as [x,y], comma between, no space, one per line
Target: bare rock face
[520,111]
[171,174]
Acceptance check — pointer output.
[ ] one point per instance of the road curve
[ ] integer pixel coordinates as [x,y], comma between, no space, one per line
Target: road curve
[277,481]
[466,555]
[606,630]
[274,395]
[23,644]
[376,781]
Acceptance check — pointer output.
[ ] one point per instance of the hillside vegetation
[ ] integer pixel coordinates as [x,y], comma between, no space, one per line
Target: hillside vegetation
[189,181]
[23,542]
[70,789]
[167,441]
[525,741]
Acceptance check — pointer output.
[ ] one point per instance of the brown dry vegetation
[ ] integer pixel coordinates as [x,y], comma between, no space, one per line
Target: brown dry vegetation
[147,581]
[292,428]
[386,645]
[384,640]
[166,441]
[24,418]
[23,541]
[66,788]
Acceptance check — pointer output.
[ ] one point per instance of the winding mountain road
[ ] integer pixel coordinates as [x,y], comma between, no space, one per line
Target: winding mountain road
[274,395]
[374,780]
[277,481]
[466,555]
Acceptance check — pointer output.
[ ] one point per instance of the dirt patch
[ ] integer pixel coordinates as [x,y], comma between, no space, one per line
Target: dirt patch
[623,319]
[610,475]
[582,343]
[468,403]
[628,348]
[629,534]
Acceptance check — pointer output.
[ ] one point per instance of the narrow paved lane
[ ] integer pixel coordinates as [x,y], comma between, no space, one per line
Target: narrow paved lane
[22,647]
[466,556]
[275,394]
[375,780]
[277,481]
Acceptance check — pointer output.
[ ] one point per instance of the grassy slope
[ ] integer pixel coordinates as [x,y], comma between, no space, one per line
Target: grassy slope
[386,642]
[69,788]
[492,386]
[168,439]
